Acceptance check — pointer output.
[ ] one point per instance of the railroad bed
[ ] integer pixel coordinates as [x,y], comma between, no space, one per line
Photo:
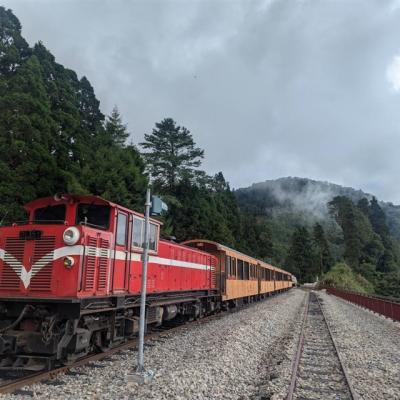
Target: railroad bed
[249,354]
[318,372]
[222,358]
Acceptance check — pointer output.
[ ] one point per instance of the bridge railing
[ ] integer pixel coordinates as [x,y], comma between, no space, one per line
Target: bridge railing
[389,309]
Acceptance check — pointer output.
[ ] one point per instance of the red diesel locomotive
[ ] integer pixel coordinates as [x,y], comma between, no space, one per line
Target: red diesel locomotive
[70,280]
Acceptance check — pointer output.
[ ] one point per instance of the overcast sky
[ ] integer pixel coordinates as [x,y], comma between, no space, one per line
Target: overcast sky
[268,88]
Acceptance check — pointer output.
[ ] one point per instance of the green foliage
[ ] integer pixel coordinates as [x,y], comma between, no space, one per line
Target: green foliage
[52,132]
[357,230]
[206,212]
[389,284]
[115,129]
[323,255]
[171,155]
[301,259]
[343,277]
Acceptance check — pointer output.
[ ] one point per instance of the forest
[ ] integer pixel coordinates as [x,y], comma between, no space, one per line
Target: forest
[54,138]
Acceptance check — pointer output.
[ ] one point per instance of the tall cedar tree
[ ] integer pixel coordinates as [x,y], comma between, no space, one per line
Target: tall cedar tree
[323,255]
[346,215]
[171,155]
[301,259]
[116,129]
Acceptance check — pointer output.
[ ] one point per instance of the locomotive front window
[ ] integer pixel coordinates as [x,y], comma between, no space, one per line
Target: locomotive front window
[94,215]
[121,229]
[153,237]
[137,232]
[50,214]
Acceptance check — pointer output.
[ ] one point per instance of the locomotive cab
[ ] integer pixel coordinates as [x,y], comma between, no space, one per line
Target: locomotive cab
[71,259]
[72,246]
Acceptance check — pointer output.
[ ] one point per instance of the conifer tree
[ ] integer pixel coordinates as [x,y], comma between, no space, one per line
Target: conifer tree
[301,259]
[116,129]
[323,255]
[171,155]
[378,221]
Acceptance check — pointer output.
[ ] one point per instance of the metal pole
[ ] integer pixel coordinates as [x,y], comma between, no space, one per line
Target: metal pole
[145,257]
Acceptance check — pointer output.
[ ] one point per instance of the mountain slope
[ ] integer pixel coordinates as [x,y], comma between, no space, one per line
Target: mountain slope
[306,199]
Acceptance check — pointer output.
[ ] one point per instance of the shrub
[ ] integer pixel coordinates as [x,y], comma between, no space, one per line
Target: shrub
[343,277]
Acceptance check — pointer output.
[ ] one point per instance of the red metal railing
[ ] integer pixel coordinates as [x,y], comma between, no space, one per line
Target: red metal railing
[385,307]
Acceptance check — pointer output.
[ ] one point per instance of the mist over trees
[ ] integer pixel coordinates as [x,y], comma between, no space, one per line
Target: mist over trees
[54,138]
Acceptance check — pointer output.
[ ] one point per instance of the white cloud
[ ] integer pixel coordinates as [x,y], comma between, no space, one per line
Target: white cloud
[393,73]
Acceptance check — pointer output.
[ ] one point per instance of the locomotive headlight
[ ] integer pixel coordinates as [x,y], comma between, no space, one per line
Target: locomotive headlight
[71,236]
[68,262]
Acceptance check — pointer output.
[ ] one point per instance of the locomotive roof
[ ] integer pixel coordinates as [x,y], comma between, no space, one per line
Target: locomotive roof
[72,198]
[222,247]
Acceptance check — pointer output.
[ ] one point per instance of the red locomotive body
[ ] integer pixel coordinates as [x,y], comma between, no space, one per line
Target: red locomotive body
[72,274]
[86,246]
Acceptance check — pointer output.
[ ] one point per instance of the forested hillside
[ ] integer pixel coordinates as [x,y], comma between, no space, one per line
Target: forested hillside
[315,225]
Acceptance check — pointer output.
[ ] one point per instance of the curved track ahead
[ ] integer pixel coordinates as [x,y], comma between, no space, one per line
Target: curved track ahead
[318,371]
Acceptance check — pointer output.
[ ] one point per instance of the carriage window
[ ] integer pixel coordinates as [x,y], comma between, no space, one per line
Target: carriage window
[94,215]
[137,232]
[246,271]
[50,214]
[153,236]
[240,269]
[121,229]
[233,264]
[228,265]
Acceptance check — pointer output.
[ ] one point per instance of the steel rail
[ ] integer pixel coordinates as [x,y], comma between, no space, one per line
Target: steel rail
[299,351]
[344,369]
[37,377]
[44,375]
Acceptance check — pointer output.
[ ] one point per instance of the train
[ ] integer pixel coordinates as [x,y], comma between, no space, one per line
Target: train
[70,278]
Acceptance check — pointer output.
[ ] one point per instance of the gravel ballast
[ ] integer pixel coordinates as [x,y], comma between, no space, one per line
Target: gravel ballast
[223,358]
[370,348]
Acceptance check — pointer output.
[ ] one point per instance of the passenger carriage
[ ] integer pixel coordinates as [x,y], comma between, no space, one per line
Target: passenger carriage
[241,278]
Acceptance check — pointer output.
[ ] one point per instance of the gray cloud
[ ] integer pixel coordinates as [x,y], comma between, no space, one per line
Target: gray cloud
[269,88]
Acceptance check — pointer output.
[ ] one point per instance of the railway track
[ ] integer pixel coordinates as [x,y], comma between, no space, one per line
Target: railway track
[317,370]
[10,381]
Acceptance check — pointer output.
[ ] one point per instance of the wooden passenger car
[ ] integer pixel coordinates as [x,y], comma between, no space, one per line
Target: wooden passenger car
[242,278]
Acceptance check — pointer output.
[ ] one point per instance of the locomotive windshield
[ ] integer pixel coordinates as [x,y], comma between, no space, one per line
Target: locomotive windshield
[94,215]
[50,214]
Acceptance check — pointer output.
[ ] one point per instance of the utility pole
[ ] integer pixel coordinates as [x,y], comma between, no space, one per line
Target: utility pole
[155,206]
[145,260]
